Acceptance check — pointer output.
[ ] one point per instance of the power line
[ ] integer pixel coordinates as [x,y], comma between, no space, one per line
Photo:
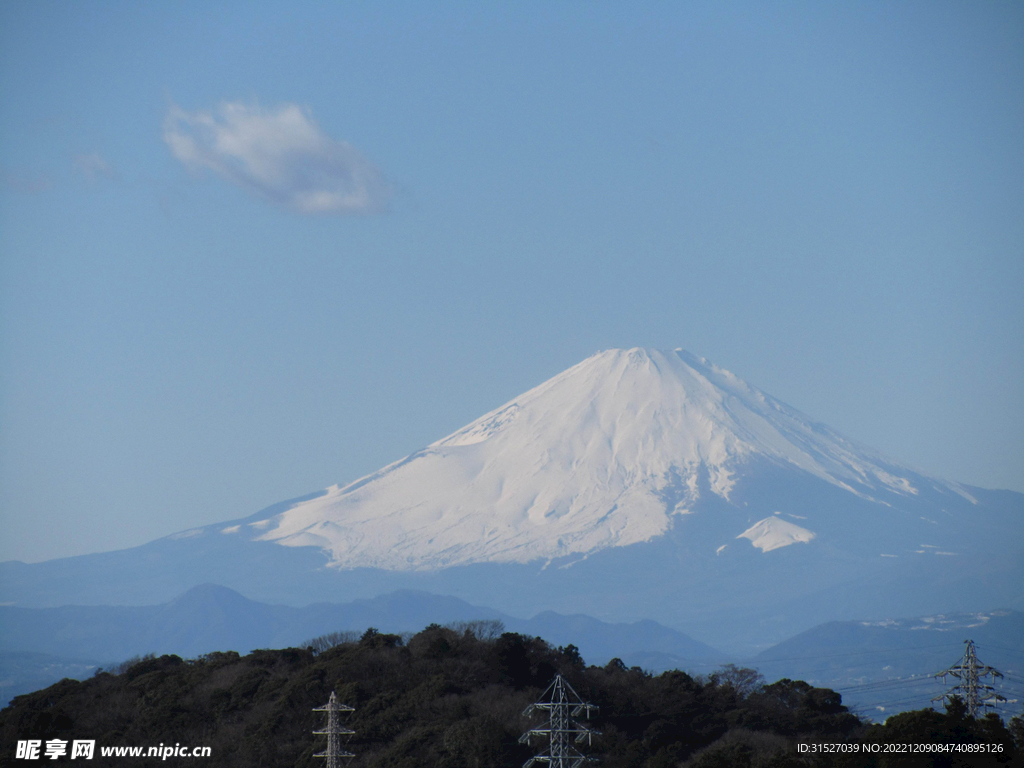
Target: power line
[895,682]
[1017,651]
[851,653]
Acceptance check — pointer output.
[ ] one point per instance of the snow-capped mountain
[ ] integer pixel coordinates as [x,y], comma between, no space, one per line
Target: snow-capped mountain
[606,454]
[638,484]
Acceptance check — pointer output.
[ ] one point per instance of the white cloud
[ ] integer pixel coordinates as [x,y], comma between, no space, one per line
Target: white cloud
[281,155]
[93,166]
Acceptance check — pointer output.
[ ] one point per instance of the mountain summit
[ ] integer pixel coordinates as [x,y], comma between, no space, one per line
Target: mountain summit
[606,454]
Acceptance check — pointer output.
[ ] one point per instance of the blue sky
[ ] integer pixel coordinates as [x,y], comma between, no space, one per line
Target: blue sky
[253,249]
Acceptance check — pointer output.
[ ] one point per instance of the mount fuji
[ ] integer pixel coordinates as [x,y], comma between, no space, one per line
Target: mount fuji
[637,484]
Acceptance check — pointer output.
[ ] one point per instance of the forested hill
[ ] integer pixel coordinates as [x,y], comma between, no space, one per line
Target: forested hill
[455,697]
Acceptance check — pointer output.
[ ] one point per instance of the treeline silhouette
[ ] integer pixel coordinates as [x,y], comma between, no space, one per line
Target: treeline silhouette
[454,696]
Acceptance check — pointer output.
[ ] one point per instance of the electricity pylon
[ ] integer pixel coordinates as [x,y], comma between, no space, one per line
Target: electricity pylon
[562,704]
[335,732]
[969,671]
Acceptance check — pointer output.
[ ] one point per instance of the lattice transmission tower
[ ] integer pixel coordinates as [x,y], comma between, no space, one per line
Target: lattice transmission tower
[562,704]
[970,673]
[337,735]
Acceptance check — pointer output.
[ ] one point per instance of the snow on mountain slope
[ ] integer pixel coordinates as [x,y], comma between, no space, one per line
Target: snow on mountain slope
[773,533]
[603,455]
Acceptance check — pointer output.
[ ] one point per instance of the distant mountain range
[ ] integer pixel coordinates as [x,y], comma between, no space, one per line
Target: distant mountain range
[212,618]
[879,667]
[39,646]
[638,484]
[886,666]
